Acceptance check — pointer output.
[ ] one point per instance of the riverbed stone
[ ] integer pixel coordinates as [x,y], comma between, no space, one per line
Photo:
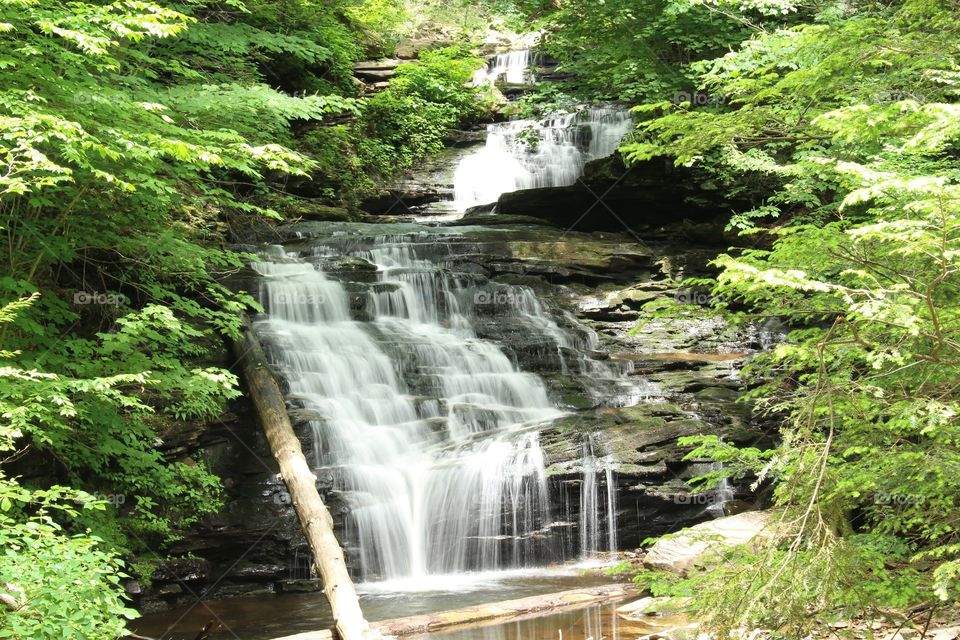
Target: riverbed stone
[704,542]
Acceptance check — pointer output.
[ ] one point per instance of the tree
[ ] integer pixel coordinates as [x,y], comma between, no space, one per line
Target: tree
[845,129]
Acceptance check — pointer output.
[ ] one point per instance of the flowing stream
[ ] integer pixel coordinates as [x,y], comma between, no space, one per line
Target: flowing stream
[512,67]
[530,154]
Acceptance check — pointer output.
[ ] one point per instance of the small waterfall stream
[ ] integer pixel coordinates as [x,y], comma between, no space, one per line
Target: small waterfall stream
[722,493]
[512,67]
[597,516]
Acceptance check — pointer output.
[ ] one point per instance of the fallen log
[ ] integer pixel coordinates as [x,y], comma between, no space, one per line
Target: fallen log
[301,483]
[485,614]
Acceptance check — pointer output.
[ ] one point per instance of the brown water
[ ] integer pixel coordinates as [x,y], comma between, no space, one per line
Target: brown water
[265,617]
[598,622]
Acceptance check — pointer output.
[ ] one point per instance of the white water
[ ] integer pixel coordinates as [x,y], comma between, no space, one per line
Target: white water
[527,154]
[594,514]
[512,67]
[722,493]
[429,431]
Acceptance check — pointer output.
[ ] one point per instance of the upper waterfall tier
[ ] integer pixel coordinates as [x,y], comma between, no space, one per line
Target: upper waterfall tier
[512,67]
[527,154]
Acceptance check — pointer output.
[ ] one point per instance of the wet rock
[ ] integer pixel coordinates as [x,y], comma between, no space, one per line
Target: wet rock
[459,138]
[346,268]
[481,215]
[169,590]
[300,586]
[559,256]
[258,572]
[182,570]
[319,212]
[611,196]
[228,590]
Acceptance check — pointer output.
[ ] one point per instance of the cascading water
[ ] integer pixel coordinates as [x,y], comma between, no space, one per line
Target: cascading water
[722,493]
[527,154]
[512,67]
[594,514]
[429,431]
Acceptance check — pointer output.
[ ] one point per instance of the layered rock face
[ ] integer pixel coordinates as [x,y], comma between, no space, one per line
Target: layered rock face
[629,385]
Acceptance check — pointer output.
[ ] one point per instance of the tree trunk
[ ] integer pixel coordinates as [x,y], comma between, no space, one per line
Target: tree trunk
[301,483]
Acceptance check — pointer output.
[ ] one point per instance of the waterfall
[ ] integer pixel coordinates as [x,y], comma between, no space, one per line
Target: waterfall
[591,508]
[722,493]
[527,154]
[429,431]
[512,67]
[611,510]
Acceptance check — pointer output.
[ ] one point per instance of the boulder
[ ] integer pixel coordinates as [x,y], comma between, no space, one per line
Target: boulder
[411,47]
[694,546]
[649,606]
[387,64]
[660,618]
[611,196]
[374,75]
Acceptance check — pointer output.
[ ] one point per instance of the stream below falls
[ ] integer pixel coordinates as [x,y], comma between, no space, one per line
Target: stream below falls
[267,617]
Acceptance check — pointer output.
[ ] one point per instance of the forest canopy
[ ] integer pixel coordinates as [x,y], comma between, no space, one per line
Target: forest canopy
[135,137]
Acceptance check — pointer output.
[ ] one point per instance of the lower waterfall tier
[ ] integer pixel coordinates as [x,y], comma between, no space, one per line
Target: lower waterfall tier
[429,431]
[625,394]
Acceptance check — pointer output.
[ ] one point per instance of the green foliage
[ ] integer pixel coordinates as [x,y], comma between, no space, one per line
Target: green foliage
[398,126]
[409,119]
[844,127]
[130,135]
[383,21]
[633,50]
[43,562]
